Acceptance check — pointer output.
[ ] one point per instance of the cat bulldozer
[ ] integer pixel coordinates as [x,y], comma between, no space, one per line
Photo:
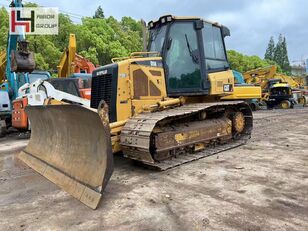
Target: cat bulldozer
[161,108]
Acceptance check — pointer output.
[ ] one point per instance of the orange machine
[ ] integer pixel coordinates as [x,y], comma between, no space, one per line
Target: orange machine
[85,93]
[83,65]
[19,117]
[73,65]
[84,84]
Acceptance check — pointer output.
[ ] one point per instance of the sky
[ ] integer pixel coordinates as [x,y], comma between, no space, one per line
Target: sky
[251,22]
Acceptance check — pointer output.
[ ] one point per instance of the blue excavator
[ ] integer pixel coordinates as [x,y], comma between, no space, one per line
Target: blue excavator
[17,66]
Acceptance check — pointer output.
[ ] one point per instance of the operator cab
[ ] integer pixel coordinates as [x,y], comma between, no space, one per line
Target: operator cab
[191,48]
[277,88]
[280,93]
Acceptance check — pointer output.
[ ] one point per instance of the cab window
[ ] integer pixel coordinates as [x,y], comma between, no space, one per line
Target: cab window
[182,58]
[214,50]
[157,38]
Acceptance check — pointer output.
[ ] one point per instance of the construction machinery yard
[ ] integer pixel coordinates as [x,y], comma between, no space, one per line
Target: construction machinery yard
[170,137]
[260,186]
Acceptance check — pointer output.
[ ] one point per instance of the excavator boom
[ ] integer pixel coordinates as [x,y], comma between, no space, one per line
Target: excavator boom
[71,62]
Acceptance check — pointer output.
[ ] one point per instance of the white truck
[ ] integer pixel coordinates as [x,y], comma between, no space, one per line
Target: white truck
[5,112]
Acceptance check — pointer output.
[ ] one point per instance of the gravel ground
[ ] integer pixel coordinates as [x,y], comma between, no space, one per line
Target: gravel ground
[260,186]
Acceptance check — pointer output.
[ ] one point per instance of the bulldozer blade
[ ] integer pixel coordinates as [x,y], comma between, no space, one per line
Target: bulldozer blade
[71,146]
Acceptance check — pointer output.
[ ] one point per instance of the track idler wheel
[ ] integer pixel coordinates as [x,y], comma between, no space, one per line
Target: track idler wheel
[238,122]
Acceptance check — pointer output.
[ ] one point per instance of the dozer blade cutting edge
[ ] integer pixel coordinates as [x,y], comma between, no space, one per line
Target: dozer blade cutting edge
[59,151]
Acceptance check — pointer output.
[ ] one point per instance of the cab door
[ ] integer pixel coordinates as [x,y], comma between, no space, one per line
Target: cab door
[182,59]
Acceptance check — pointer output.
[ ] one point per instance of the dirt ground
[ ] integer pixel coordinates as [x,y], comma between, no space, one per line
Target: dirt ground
[260,186]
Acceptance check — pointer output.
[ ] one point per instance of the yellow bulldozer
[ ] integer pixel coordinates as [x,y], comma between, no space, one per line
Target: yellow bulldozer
[161,108]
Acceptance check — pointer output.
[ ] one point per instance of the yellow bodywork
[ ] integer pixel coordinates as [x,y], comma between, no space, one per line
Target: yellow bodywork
[240,92]
[2,66]
[306,83]
[65,67]
[218,80]
[294,82]
[245,92]
[142,88]
[262,75]
[138,86]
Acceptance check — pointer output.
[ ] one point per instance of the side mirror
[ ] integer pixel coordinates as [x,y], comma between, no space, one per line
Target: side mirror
[225,31]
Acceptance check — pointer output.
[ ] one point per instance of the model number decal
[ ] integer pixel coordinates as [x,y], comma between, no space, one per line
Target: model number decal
[103,72]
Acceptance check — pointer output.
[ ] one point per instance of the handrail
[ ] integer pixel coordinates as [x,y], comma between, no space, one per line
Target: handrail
[135,55]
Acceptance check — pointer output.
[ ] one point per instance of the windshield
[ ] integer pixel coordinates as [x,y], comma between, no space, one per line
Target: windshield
[34,77]
[157,38]
[281,91]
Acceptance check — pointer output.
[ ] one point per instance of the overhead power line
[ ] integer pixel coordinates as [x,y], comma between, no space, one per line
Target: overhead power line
[78,16]
[71,14]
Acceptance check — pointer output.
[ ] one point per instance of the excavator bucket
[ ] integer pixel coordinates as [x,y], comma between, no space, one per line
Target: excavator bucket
[70,145]
[22,61]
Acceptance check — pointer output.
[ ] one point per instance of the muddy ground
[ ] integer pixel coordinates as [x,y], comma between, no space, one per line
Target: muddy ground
[260,186]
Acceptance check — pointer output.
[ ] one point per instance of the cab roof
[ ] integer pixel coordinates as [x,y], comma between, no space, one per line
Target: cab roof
[168,18]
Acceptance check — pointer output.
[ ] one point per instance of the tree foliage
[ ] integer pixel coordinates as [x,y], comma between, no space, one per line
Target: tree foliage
[99,13]
[243,63]
[278,53]
[285,63]
[98,38]
[269,54]
[4,25]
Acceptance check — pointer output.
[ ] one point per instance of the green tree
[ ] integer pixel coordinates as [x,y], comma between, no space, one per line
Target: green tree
[4,27]
[98,38]
[90,54]
[269,54]
[278,53]
[243,63]
[281,54]
[109,37]
[285,65]
[99,13]
[66,27]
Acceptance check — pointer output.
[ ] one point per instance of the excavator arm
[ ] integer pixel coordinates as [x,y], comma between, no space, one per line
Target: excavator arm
[65,67]
[71,62]
[83,65]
